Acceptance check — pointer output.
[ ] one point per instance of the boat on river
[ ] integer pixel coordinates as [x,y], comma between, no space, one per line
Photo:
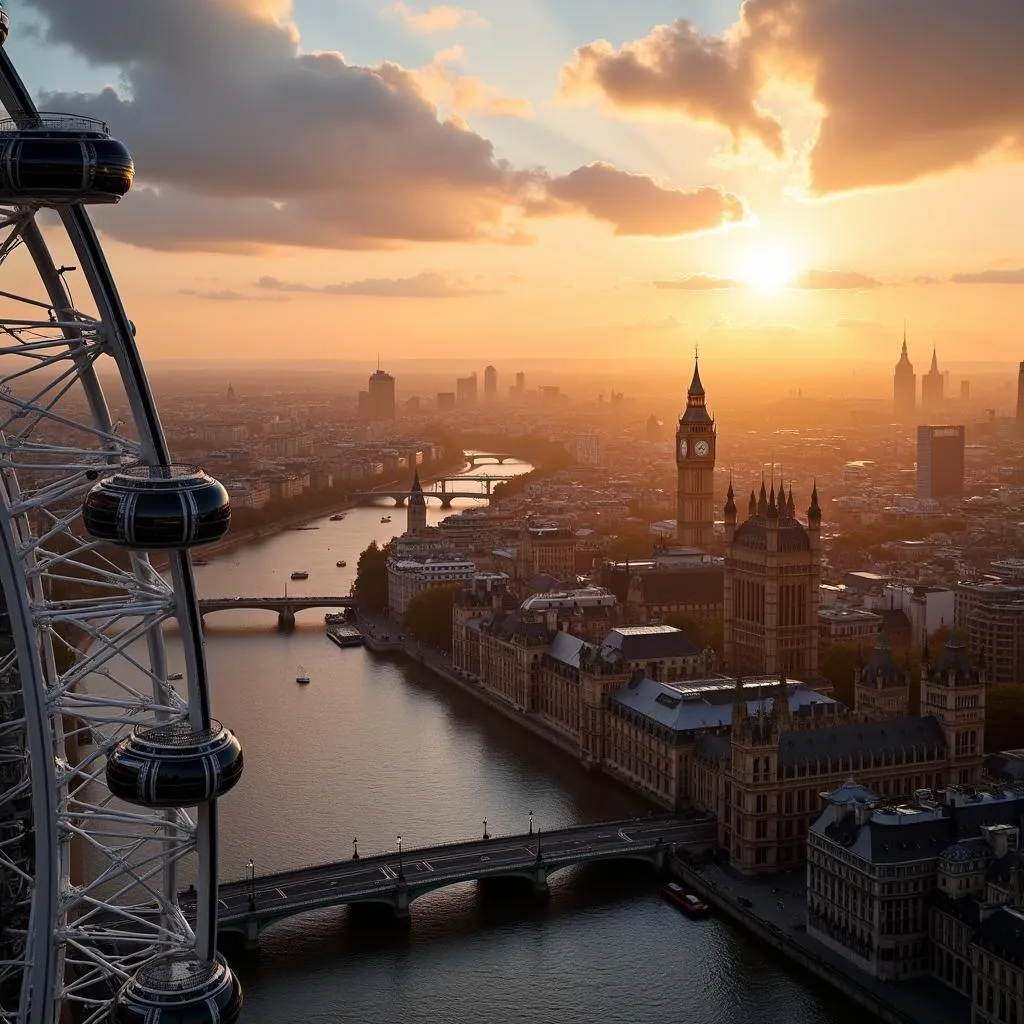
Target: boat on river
[341,563]
[337,517]
[344,634]
[301,676]
[690,905]
[385,519]
[300,574]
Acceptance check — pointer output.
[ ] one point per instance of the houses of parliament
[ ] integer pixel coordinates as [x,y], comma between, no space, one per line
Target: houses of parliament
[749,733]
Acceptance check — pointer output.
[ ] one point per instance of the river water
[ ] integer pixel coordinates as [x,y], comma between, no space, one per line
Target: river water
[375,747]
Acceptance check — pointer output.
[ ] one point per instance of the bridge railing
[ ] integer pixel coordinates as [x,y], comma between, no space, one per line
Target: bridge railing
[338,895]
[454,844]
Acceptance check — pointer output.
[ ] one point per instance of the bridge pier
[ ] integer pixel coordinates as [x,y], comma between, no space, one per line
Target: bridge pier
[401,905]
[286,619]
[446,503]
[539,880]
[251,940]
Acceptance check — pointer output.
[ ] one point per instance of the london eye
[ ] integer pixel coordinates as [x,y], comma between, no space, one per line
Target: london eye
[109,773]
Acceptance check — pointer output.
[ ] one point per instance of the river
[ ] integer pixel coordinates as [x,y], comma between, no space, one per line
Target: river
[377,747]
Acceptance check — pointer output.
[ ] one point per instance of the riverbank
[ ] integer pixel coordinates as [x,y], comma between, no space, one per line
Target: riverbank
[777,917]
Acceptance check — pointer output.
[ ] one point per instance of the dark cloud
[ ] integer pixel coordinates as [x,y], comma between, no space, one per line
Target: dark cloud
[699,283]
[990,277]
[637,205]
[825,279]
[247,142]
[906,89]
[426,285]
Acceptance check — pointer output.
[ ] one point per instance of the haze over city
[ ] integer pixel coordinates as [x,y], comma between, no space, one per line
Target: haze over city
[778,181]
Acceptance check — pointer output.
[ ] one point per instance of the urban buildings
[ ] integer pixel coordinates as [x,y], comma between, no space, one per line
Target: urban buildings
[588,449]
[695,469]
[933,387]
[940,462]
[466,390]
[408,577]
[379,403]
[772,576]
[446,401]
[991,615]
[904,387]
[1020,400]
[490,383]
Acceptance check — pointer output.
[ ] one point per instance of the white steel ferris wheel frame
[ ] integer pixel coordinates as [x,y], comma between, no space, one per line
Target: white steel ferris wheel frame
[76,613]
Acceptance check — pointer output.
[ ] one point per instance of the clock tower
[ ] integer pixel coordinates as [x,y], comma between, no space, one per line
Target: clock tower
[695,469]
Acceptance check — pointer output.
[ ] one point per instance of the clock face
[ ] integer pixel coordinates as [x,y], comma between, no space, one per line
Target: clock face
[702,448]
[683,448]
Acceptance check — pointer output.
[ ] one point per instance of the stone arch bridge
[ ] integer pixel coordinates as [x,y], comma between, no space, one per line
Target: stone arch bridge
[286,607]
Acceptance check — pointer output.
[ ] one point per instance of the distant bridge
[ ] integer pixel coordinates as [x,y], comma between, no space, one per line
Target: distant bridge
[488,481]
[401,497]
[489,458]
[395,879]
[286,607]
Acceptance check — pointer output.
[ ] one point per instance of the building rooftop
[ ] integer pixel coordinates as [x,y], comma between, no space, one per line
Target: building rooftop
[649,643]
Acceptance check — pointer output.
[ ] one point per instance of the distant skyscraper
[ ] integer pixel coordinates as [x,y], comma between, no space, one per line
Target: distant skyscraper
[380,403]
[965,391]
[465,390]
[445,401]
[904,386]
[490,383]
[231,392]
[940,462]
[933,386]
[1020,400]
[520,383]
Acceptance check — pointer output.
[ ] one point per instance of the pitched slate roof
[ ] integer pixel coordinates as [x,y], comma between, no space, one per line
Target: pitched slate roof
[648,643]
[848,739]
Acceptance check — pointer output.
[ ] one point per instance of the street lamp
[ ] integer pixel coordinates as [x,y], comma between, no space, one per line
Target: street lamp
[486,836]
[531,823]
[355,849]
[401,873]
[251,868]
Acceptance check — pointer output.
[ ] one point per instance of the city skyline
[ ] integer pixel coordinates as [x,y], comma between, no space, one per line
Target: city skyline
[649,178]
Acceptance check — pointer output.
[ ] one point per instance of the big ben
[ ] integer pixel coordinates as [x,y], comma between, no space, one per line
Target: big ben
[695,469]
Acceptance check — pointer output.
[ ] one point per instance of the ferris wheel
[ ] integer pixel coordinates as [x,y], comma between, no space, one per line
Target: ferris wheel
[101,757]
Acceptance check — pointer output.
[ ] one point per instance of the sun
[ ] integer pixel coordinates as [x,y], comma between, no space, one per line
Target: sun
[768,270]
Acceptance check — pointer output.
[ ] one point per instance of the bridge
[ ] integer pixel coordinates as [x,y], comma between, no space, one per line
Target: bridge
[401,497]
[395,879]
[488,481]
[286,607]
[488,458]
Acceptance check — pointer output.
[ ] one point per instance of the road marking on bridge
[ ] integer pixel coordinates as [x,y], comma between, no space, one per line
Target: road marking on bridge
[426,865]
[607,835]
[222,904]
[624,837]
[280,893]
[389,872]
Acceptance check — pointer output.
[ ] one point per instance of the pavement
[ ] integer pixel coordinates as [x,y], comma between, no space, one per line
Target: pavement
[780,901]
[344,881]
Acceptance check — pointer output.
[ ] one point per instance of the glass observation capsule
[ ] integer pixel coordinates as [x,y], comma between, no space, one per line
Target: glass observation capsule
[57,159]
[180,989]
[174,766]
[147,507]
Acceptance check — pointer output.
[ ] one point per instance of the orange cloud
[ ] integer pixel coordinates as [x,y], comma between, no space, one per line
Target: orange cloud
[441,18]
[699,283]
[637,205]
[677,68]
[906,89]
[828,279]
[466,94]
[425,285]
[990,277]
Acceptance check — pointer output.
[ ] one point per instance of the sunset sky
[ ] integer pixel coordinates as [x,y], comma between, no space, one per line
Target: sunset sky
[772,180]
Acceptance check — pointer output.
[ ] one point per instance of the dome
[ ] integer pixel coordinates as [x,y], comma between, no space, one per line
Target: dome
[57,159]
[180,989]
[153,507]
[753,534]
[174,766]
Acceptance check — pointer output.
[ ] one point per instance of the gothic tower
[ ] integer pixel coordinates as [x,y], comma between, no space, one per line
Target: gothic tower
[904,386]
[954,693]
[933,386]
[772,574]
[695,469]
[881,689]
[416,516]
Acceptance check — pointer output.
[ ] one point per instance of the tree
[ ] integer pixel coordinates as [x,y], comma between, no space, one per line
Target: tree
[428,616]
[702,633]
[371,586]
[837,663]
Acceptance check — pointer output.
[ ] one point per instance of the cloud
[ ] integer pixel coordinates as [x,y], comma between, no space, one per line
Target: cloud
[425,285]
[228,295]
[254,143]
[827,279]
[442,85]
[676,68]
[990,277]
[441,18]
[637,205]
[699,283]
[905,90]
[853,324]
